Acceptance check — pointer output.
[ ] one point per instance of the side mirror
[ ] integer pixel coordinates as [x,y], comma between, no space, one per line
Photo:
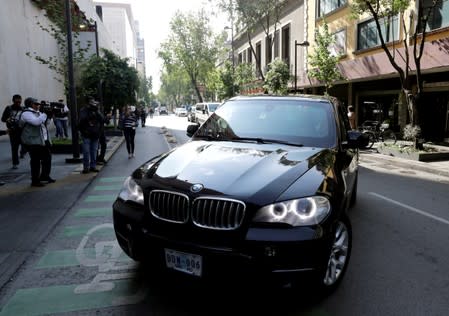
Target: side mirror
[191,129]
[357,139]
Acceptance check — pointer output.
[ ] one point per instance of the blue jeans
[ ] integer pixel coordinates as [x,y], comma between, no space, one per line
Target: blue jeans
[61,128]
[90,147]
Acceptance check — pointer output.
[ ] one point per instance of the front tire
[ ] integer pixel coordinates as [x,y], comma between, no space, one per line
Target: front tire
[338,260]
[371,139]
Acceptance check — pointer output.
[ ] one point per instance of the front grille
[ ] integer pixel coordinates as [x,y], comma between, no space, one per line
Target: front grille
[169,206]
[216,213]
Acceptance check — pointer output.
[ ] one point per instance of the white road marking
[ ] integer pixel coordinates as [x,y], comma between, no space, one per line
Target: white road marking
[411,208]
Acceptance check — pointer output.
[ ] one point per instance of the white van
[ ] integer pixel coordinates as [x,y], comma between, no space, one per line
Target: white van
[204,110]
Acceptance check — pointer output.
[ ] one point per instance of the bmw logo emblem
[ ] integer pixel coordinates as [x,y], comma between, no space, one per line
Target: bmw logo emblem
[197,187]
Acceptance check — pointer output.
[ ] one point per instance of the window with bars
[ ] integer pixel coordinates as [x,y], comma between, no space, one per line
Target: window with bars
[276,44]
[268,50]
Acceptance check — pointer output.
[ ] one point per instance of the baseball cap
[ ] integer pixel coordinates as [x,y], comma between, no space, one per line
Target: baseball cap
[30,101]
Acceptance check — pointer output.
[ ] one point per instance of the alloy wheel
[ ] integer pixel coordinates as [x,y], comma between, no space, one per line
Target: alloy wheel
[338,256]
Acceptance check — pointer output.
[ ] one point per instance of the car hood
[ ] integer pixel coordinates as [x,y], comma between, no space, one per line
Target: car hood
[249,170]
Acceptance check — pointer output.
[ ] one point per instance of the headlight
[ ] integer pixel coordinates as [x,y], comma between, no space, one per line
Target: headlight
[300,212]
[131,191]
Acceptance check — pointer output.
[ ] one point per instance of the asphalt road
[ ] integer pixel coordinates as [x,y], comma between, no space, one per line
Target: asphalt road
[398,265]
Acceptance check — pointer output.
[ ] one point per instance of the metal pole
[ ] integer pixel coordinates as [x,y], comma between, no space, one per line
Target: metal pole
[296,66]
[100,84]
[72,91]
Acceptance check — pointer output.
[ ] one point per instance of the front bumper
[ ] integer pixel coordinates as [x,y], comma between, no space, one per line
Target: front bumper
[278,252]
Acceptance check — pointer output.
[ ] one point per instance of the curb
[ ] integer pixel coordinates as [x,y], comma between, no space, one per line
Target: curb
[116,141]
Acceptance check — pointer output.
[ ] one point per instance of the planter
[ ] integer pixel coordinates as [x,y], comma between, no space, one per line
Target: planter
[63,149]
[113,132]
[414,155]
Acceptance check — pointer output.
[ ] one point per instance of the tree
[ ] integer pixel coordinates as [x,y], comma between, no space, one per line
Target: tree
[175,86]
[119,80]
[277,77]
[413,42]
[322,62]
[192,46]
[145,87]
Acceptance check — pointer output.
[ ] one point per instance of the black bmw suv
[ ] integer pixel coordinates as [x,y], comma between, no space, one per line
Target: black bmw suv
[263,186]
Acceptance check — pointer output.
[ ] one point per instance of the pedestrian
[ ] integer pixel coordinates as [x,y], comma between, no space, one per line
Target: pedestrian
[11,116]
[143,116]
[128,124]
[151,112]
[3,132]
[61,116]
[37,140]
[102,141]
[351,117]
[90,126]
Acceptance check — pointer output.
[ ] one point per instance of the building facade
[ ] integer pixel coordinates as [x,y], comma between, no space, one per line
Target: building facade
[118,20]
[371,83]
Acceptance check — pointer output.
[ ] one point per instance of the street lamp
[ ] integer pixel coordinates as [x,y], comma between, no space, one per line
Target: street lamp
[305,43]
[72,91]
[233,57]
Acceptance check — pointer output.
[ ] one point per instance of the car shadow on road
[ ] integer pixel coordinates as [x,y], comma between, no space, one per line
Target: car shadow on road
[179,294]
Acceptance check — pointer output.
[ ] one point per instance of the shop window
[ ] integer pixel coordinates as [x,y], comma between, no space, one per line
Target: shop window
[327,6]
[367,35]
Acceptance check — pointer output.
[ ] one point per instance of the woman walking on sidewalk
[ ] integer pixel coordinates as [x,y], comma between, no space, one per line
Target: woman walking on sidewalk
[128,124]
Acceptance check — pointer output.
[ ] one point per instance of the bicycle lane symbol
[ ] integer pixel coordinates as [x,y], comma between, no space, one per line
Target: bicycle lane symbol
[110,269]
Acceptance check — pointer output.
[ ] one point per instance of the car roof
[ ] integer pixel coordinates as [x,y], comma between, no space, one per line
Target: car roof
[304,97]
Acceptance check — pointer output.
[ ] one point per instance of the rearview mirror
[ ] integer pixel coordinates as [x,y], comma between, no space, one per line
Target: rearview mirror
[357,139]
[191,129]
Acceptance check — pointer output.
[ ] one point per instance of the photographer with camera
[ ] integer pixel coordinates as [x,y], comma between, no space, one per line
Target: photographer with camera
[35,136]
[11,116]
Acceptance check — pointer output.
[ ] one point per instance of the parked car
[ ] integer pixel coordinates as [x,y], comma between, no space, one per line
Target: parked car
[204,110]
[263,187]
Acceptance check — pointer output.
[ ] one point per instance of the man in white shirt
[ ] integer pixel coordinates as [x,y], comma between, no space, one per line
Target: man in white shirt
[35,137]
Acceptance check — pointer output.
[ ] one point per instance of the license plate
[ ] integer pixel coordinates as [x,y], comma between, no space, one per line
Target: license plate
[184,262]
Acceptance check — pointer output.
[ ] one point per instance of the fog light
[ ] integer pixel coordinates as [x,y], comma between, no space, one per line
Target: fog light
[270,252]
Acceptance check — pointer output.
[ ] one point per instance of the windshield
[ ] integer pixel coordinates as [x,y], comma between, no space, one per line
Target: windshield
[309,123]
[213,106]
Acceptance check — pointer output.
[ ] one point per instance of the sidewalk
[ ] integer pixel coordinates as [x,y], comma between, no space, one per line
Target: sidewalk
[28,214]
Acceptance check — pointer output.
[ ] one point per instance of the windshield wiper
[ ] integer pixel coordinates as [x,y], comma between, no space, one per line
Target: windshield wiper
[206,137]
[265,141]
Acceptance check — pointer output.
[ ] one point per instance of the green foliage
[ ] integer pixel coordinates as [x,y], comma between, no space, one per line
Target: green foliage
[277,77]
[323,63]
[54,10]
[175,86]
[145,87]
[191,47]
[382,8]
[244,73]
[119,80]
[227,87]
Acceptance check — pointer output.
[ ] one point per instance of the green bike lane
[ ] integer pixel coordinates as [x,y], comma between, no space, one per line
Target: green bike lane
[81,269]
